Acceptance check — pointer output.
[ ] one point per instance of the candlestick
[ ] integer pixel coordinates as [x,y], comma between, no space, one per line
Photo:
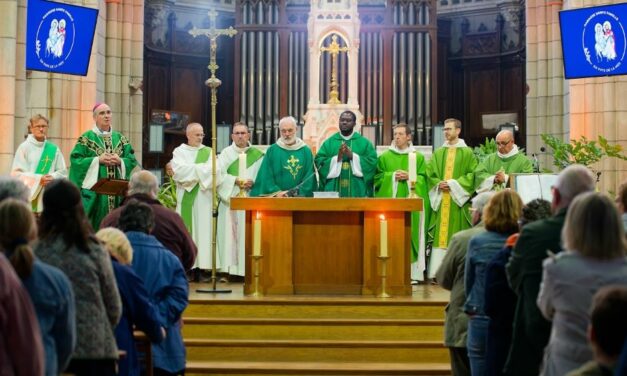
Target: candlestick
[383,247]
[242,166]
[412,166]
[257,235]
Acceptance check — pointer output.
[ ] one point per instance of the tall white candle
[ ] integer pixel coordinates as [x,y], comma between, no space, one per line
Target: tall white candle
[383,247]
[412,167]
[257,235]
[242,166]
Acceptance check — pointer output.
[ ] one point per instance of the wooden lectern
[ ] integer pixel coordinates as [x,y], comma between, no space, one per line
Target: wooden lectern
[328,245]
[111,187]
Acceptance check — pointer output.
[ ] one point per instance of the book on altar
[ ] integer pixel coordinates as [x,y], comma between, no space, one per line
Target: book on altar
[111,187]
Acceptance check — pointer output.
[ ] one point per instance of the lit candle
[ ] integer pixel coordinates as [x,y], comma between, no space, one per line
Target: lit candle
[383,247]
[257,235]
[242,166]
[412,167]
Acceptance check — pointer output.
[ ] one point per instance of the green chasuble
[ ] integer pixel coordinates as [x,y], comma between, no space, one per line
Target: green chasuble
[347,184]
[517,163]
[283,169]
[457,163]
[391,161]
[90,145]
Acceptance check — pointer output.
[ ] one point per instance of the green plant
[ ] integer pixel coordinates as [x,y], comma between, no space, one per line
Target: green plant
[582,151]
[483,150]
[167,194]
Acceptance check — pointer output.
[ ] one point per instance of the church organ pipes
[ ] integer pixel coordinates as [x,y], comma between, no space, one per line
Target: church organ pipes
[276,96]
[251,83]
[243,90]
[259,92]
[427,80]
[303,68]
[419,76]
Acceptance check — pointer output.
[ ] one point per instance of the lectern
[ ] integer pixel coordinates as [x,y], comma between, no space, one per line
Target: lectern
[328,245]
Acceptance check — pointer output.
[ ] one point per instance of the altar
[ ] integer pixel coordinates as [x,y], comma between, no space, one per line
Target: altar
[312,246]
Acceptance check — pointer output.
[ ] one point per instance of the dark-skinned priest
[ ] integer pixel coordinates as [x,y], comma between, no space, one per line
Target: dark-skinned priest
[287,169]
[493,173]
[450,176]
[100,153]
[347,161]
[393,180]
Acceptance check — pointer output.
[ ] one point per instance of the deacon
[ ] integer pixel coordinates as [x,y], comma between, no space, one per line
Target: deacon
[493,173]
[239,164]
[191,165]
[100,153]
[37,160]
[347,161]
[393,180]
[450,178]
[287,168]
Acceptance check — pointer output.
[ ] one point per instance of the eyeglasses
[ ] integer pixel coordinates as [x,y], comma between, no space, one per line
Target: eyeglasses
[39,126]
[240,133]
[503,143]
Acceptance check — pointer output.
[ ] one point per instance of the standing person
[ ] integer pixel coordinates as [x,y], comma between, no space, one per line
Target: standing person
[191,164]
[232,223]
[500,217]
[67,242]
[138,311]
[500,300]
[524,272]
[37,160]
[49,289]
[166,282]
[100,153]
[169,228]
[347,161]
[493,173]
[621,201]
[450,178]
[450,275]
[287,168]
[392,180]
[21,350]
[594,256]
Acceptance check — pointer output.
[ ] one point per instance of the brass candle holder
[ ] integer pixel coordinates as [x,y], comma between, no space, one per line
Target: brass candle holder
[243,192]
[384,276]
[256,274]
[412,190]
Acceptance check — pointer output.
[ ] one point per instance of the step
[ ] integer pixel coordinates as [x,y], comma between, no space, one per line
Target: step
[315,328]
[218,368]
[316,308]
[320,350]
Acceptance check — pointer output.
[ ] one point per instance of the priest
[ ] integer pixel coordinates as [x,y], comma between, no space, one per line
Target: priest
[191,167]
[392,179]
[493,173]
[287,169]
[450,179]
[239,164]
[347,161]
[37,160]
[100,153]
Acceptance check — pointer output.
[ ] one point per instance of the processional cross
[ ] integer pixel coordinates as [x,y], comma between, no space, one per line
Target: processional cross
[334,49]
[213,83]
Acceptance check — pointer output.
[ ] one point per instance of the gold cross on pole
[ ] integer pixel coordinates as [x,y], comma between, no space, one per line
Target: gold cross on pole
[334,49]
[213,83]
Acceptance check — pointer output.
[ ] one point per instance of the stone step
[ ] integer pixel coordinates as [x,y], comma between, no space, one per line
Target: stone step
[218,368]
[323,329]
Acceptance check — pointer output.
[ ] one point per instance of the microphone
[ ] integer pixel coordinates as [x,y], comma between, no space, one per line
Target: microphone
[536,163]
[293,192]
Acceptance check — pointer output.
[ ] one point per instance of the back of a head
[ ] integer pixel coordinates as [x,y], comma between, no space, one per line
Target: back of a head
[63,214]
[136,216]
[594,228]
[143,182]
[11,187]
[481,200]
[17,229]
[534,210]
[622,196]
[117,244]
[607,318]
[574,180]
[502,212]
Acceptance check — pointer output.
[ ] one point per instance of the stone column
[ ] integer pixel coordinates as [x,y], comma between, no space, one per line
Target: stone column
[8,59]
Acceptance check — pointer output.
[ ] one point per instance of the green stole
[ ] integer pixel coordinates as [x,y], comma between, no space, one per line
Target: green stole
[252,156]
[189,198]
[46,159]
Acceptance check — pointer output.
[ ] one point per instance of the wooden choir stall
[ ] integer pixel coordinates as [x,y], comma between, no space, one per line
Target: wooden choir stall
[327,245]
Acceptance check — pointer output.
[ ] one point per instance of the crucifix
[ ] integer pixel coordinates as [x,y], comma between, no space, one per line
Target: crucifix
[213,83]
[334,49]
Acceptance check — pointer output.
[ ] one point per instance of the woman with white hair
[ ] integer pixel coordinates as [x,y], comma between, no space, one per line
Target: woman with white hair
[594,256]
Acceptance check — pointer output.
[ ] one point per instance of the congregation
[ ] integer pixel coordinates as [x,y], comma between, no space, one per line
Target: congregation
[536,288]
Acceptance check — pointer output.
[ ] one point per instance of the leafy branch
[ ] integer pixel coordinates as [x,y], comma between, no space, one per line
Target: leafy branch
[582,151]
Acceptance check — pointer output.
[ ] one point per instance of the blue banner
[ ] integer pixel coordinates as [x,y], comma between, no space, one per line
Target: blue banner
[59,37]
